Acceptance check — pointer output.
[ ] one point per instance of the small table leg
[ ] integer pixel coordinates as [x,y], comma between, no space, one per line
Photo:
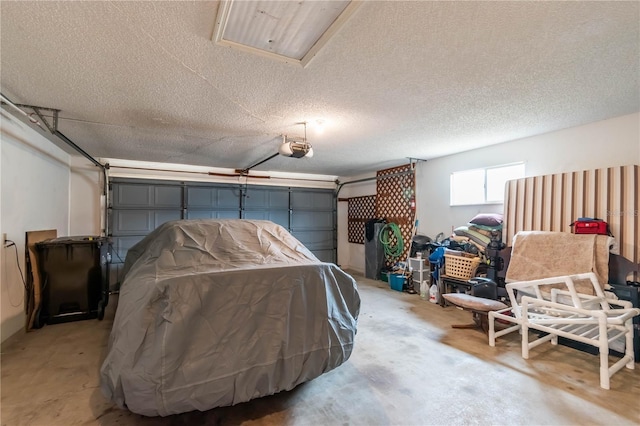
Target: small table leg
[480,320]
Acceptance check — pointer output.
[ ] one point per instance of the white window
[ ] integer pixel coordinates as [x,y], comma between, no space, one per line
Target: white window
[483,186]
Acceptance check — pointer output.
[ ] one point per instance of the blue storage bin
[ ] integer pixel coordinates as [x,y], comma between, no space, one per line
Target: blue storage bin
[396,281]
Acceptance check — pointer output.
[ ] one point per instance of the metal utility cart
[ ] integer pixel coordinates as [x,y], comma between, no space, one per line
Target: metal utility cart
[75,278]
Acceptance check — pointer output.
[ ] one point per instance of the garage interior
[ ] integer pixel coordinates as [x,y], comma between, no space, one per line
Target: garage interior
[118,117]
[429,375]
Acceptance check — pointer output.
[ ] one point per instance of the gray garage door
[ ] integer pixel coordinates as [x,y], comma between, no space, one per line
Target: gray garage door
[139,206]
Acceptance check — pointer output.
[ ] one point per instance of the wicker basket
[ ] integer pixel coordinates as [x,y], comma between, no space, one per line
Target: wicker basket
[460,267]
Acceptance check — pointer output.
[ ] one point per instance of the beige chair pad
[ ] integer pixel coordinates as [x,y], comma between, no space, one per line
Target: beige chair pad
[474,303]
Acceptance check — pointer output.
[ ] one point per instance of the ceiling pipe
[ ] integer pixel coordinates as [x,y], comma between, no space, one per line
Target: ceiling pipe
[14,106]
[406,172]
[341,184]
[53,129]
[246,171]
[77,148]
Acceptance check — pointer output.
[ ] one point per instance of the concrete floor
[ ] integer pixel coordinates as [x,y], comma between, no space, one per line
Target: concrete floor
[409,367]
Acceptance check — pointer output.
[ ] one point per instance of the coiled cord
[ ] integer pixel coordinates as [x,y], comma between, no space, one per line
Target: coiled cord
[387,234]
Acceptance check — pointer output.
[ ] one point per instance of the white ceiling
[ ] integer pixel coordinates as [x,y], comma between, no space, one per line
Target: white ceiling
[145,81]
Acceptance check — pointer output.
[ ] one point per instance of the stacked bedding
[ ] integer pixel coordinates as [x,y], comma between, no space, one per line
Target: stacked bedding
[480,230]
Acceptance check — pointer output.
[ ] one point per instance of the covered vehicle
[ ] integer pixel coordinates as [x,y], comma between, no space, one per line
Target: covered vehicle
[217,312]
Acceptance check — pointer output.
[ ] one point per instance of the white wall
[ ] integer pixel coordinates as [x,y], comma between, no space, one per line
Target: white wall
[607,143]
[34,188]
[86,211]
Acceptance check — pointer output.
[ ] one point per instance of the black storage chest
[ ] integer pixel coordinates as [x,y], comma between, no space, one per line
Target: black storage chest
[75,278]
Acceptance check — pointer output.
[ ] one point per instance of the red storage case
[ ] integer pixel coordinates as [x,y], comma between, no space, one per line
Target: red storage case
[590,227]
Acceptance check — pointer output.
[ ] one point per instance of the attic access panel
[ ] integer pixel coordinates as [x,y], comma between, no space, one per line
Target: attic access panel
[291,31]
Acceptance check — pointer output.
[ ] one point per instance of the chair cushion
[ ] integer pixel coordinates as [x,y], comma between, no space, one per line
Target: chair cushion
[474,303]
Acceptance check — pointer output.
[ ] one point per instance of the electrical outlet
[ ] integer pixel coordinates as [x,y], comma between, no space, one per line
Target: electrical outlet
[4,238]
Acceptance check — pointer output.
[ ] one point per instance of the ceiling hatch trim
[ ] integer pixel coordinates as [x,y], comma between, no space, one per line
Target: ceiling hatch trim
[288,31]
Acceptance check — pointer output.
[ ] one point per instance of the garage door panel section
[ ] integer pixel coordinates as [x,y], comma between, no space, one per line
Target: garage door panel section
[266,198]
[220,197]
[315,240]
[325,255]
[132,222]
[146,196]
[312,199]
[168,196]
[208,214]
[121,246]
[139,206]
[141,222]
[311,220]
[163,216]
[281,217]
[320,243]
[133,196]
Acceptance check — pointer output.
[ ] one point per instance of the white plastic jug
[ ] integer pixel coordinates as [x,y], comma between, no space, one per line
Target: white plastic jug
[433,294]
[424,290]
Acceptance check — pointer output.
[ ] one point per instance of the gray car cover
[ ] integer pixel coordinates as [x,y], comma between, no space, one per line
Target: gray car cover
[217,312]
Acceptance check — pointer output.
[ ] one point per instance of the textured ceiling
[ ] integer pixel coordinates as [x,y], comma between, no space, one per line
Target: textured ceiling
[144,80]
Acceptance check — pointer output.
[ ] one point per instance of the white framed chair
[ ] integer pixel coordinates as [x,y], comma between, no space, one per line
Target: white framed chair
[592,319]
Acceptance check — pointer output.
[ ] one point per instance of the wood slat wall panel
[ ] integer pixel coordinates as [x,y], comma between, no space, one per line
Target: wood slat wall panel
[553,202]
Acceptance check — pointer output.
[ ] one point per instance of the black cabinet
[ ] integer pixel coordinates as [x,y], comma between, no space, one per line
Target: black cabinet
[74,278]
[632,294]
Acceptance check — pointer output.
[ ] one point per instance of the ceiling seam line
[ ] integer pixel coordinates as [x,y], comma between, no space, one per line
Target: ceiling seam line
[193,71]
